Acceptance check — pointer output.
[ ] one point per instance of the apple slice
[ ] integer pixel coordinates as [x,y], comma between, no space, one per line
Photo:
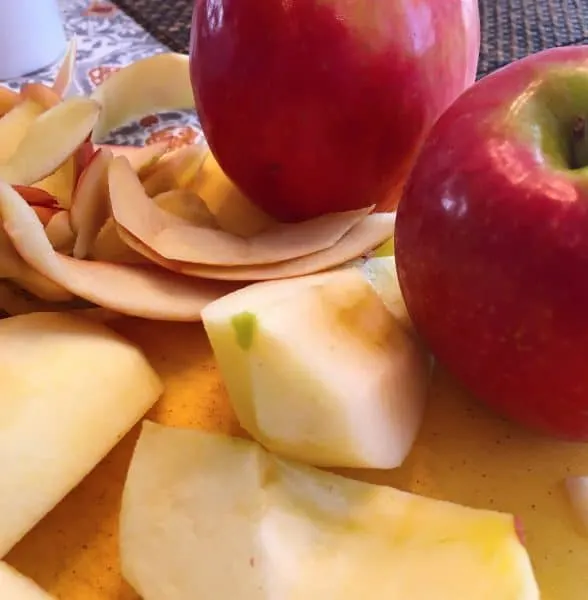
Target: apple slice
[61,183]
[365,236]
[45,213]
[179,240]
[36,197]
[90,207]
[50,140]
[154,84]
[109,247]
[14,126]
[208,516]
[188,206]
[41,94]
[132,290]
[59,232]
[64,76]
[142,158]
[318,370]
[15,586]
[14,268]
[75,388]
[8,100]
[176,169]
[233,211]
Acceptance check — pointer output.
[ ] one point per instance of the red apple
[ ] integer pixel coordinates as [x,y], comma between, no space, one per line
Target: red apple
[315,106]
[492,241]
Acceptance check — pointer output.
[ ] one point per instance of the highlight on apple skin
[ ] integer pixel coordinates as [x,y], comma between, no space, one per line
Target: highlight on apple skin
[491,241]
[313,107]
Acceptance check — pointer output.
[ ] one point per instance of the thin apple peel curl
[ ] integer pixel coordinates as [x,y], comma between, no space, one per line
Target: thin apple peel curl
[154,84]
[132,290]
[178,240]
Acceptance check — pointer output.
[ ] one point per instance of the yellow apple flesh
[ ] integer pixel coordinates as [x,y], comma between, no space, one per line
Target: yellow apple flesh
[69,389]
[319,370]
[212,517]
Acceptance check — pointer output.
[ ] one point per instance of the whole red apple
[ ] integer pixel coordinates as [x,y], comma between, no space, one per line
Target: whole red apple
[492,241]
[315,106]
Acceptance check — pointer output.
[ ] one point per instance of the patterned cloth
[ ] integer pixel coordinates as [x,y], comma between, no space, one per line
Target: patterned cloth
[108,39]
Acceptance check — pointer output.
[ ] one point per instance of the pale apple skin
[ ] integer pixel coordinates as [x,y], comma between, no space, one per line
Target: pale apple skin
[492,252]
[313,107]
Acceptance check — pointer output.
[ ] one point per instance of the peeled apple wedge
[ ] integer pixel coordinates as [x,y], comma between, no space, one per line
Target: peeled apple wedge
[319,370]
[213,517]
[69,390]
[15,586]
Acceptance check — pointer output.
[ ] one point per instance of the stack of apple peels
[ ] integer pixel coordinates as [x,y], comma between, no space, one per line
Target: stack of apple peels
[140,231]
[164,235]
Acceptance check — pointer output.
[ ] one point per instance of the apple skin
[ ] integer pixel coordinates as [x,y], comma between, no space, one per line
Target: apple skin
[317,106]
[491,245]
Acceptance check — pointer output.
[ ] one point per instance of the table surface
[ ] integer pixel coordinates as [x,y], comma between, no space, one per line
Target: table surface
[107,40]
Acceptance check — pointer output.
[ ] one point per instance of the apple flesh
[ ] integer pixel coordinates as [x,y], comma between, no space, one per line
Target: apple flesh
[15,586]
[208,516]
[326,110]
[51,439]
[491,241]
[319,370]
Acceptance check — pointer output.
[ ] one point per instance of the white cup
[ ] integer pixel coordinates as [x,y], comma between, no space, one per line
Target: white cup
[31,36]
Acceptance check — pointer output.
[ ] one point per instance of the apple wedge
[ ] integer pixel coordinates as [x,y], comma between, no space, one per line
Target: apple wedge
[176,169]
[142,158]
[90,206]
[41,94]
[14,268]
[61,183]
[109,247]
[208,516]
[154,84]
[64,76]
[15,586]
[318,370]
[188,206]
[15,124]
[179,240]
[36,197]
[59,232]
[127,289]
[8,100]
[71,390]
[50,140]
[233,211]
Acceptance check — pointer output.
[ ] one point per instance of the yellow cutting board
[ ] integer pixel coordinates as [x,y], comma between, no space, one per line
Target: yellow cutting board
[464,454]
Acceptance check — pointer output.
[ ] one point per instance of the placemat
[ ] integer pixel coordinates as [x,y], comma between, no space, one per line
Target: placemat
[511,29]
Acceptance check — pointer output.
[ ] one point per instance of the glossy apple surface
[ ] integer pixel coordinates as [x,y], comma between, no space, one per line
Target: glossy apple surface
[492,241]
[315,106]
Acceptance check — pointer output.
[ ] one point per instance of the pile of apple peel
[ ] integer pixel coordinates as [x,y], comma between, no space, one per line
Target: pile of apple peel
[149,232]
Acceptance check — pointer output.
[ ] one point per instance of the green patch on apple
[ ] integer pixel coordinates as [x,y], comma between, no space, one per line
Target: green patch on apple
[244,325]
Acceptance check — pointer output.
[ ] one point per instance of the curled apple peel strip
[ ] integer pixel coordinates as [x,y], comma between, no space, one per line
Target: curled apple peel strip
[132,290]
[178,240]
